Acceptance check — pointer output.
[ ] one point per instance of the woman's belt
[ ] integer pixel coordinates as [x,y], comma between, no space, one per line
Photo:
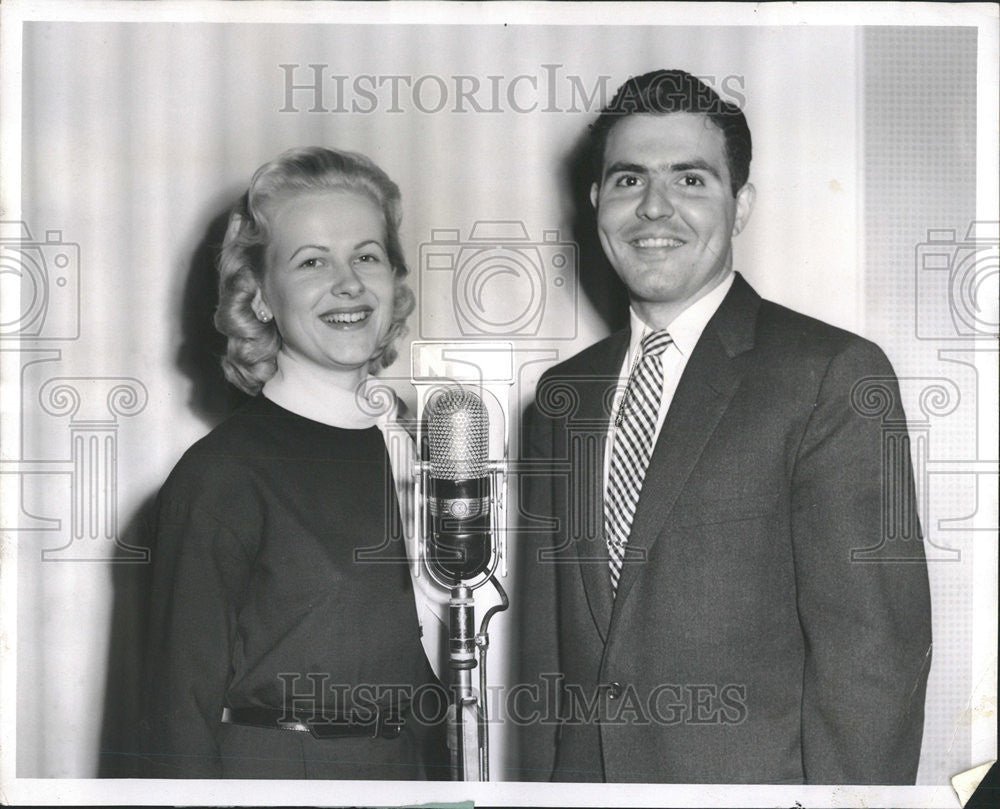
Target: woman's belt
[379,723]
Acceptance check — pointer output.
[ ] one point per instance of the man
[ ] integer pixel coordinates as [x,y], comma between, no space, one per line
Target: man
[705,604]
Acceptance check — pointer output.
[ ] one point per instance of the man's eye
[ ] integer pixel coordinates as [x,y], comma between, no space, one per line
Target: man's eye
[692,181]
[627,181]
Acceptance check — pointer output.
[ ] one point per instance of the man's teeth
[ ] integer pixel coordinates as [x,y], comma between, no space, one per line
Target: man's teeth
[658,243]
[345,317]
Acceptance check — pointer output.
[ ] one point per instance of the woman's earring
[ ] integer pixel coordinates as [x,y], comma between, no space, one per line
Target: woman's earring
[263,316]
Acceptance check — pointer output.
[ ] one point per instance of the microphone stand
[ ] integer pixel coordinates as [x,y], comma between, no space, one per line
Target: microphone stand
[467,648]
[461,661]
[483,644]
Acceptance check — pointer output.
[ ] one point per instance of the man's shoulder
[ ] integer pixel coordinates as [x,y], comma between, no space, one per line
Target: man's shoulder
[604,356]
[791,333]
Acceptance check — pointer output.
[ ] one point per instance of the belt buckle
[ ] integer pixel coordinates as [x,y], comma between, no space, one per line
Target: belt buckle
[324,728]
[293,724]
[389,724]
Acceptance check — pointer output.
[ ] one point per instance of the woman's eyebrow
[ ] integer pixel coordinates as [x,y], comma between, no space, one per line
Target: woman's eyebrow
[306,247]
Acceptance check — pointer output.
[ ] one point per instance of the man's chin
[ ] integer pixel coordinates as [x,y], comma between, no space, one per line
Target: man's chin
[656,280]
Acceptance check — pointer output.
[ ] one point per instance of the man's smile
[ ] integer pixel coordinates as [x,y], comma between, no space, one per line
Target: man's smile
[655,242]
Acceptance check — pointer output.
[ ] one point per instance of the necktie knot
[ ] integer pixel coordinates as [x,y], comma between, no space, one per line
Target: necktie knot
[655,343]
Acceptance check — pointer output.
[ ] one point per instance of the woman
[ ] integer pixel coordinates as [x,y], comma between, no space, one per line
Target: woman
[265,618]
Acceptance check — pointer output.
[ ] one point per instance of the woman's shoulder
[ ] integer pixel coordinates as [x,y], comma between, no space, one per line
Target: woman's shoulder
[218,462]
[236,434]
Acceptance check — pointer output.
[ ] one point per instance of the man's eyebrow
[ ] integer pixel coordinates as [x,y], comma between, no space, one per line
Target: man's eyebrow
[697,165]
[622,167]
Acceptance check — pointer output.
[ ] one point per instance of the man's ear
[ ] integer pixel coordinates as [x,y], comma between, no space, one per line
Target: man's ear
[744,205]
[593,195]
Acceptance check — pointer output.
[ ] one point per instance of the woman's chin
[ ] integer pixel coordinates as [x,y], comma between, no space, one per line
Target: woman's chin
[354,357]
[353,364]
[341,365]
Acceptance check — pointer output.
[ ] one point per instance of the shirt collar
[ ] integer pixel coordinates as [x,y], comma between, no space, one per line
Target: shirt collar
[310,394]
[685,329]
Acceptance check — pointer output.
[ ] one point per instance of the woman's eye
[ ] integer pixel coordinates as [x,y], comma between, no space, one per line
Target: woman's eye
[310,263]
[369,258]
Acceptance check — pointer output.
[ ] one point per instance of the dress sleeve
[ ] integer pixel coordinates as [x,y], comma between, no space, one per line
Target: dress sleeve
[866,621]
[200,570]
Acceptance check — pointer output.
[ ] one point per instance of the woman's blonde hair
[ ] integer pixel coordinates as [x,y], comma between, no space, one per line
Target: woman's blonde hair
[252,348]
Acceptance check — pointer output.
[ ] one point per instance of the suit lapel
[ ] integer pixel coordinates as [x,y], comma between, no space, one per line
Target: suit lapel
[593,556]
[708,383]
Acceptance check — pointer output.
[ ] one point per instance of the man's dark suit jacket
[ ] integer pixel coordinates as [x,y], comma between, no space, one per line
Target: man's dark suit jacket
[773,623]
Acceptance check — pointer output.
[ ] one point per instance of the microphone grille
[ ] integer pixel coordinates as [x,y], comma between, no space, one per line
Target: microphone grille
[458,435]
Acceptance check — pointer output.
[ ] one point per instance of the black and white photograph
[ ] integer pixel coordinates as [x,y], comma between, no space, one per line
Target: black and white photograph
[499,404]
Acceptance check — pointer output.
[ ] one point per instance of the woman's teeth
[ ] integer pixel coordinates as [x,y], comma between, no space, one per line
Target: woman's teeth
[346,317]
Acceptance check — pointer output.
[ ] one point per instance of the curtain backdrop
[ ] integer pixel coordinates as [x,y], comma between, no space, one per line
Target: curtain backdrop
[138,137]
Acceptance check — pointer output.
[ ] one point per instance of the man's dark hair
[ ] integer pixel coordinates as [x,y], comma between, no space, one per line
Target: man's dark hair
[665,91]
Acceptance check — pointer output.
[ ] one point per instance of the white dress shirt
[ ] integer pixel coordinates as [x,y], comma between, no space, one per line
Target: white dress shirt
[685,331]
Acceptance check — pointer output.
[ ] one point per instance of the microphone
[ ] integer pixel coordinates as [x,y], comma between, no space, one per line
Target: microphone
[459,485]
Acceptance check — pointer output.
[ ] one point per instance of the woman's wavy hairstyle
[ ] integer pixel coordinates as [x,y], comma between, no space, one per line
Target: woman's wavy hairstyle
[252,349]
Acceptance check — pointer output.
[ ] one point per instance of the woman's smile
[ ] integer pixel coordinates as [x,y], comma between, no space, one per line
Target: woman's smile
[347,318]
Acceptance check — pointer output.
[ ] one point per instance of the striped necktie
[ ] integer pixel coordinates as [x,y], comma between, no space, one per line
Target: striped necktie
[635,426]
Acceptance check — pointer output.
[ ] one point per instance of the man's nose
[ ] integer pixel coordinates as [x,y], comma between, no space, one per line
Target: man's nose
[655,202]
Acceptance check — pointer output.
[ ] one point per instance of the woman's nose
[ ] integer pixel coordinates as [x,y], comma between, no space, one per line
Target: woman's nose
[346,282]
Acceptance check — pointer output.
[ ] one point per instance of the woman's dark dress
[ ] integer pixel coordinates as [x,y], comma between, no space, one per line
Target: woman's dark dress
[258,597]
